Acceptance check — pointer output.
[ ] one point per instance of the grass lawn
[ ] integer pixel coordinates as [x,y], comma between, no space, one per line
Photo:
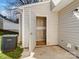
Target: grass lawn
[3,56]
[15,54]
[12,55]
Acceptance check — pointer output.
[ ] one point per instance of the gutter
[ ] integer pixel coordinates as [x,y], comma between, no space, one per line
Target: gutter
[33,4]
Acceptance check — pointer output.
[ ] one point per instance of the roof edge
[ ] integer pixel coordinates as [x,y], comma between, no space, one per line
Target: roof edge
[61,5]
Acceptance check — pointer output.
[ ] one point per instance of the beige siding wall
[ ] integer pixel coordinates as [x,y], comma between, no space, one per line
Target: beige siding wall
[69,28]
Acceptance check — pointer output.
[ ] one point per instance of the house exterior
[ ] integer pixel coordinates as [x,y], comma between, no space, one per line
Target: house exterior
[39,10]
[6,24]
[62,24]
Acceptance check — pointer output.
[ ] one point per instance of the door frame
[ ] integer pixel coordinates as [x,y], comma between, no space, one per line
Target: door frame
[46,26]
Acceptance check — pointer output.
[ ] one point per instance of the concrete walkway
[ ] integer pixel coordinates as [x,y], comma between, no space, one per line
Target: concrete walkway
[51,52]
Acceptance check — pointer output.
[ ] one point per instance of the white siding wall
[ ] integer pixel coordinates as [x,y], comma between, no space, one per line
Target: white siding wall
[10,26]
[19,16]
[25,27]
[52,22]
[69,28]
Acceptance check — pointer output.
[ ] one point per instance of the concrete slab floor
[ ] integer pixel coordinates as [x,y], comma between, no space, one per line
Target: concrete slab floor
[50,52]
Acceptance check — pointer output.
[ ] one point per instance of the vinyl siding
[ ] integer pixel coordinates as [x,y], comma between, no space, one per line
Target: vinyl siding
[1,23]
[69,28]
